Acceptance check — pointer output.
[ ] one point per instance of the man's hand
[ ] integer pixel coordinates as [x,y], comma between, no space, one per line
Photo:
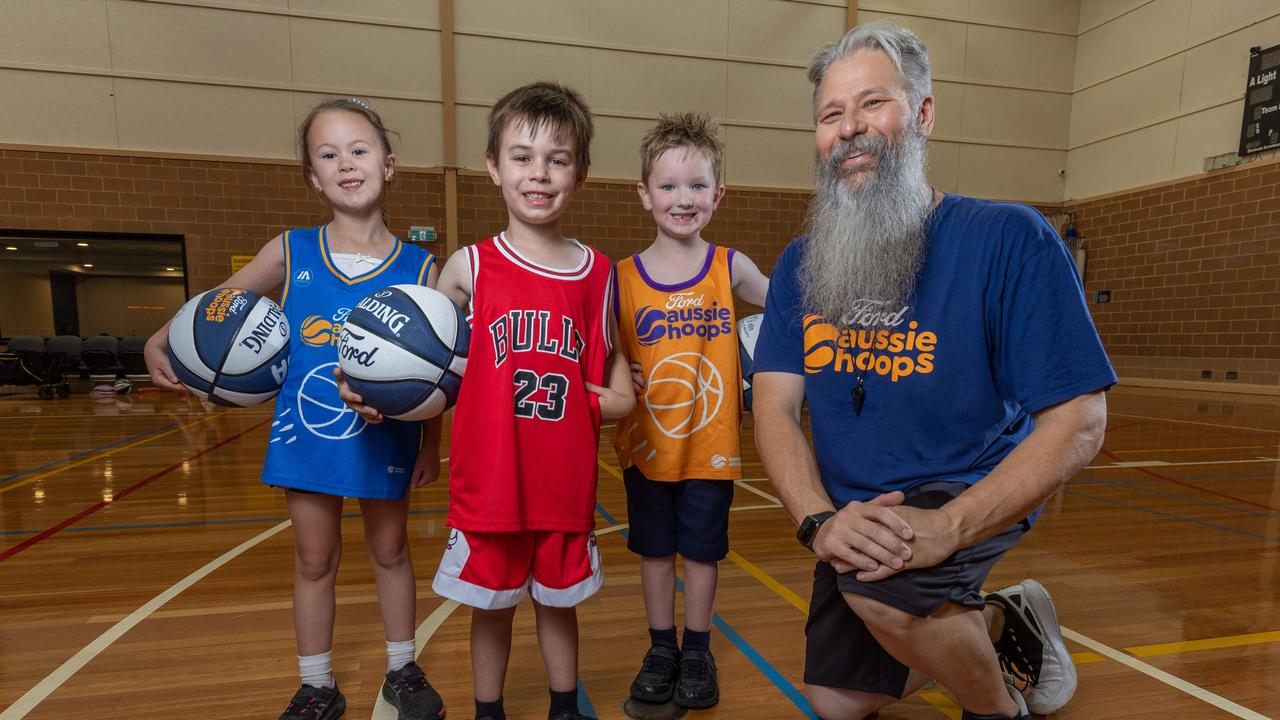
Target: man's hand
[866,536]
[935,539]
[354,401]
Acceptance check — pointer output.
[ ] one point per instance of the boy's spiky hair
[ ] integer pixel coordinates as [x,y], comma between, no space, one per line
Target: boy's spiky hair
[540,104]
[687,130]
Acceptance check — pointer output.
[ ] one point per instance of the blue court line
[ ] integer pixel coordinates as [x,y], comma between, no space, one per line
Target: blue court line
[1132,485]
[193,523]
[77,456]
[762,664]
[1174,516]
[584,702]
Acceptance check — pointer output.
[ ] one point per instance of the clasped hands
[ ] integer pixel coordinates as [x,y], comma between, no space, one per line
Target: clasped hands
[882,537]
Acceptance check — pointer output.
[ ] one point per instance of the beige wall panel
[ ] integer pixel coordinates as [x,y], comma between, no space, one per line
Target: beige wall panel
[418,12]
[768,93]
[73,32]
[1210,18]
[1218,70]
[781,30]
[548,18]
[365,59]
[1060,16]
[940,8]
[1004,173]
[177,117]
[418,124]
[948,99]
[1142,36]
[770,158]
[57,109]
[26,305]
[1204,134]
[946,40]
[473,133]
[650,84]
[488,68]
[1138,158]
[199,42]
[615,153]
[103,304]
[700,26]
[1017,57]
[1016,116]
[944,165]
[1130,100]
[1096,12]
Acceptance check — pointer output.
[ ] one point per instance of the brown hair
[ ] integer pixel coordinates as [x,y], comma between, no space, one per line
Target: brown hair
[351,105]
[695,131]
[540,104]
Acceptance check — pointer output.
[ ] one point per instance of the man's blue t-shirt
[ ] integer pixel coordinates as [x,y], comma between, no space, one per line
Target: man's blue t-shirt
[998,330]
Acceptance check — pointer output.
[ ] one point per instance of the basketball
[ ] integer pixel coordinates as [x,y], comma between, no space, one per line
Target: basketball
[748,331]
[683,394]
[230,347]
[404,350]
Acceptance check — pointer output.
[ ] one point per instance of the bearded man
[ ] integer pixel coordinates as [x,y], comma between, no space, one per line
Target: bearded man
[954,380]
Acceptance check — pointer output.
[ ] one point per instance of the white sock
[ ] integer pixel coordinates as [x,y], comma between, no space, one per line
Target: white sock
[317,670]
[399,654]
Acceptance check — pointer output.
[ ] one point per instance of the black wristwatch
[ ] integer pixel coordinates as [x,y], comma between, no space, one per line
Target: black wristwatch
[808,530]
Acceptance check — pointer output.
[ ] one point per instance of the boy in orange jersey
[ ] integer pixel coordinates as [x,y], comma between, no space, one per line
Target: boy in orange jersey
[680,448]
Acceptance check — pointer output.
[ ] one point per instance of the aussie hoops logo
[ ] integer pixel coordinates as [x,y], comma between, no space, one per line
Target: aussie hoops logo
[302,278]
[318,331]
[682,317]
[886,351]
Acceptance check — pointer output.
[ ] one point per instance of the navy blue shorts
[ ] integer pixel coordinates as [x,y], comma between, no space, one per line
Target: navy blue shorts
[689,517]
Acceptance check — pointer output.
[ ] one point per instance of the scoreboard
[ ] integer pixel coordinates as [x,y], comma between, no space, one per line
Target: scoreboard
[1261,129]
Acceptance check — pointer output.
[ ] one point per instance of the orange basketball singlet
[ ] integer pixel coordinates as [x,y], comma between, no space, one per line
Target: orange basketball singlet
[687,424]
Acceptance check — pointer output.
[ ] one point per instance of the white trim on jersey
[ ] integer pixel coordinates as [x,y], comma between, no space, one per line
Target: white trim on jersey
[577,273]
[608,311]
[473,267]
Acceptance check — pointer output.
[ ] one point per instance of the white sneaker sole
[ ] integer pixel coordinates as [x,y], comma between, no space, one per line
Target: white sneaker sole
[1042,605]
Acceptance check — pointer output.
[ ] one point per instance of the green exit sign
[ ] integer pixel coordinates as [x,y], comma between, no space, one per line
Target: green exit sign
[420,234]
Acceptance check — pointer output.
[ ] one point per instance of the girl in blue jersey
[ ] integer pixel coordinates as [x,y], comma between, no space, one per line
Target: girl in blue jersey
[319,450]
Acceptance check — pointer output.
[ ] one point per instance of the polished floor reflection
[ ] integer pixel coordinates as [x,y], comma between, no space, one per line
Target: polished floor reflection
[144,573]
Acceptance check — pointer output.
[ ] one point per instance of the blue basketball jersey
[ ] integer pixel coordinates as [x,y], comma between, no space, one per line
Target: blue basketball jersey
[318,443]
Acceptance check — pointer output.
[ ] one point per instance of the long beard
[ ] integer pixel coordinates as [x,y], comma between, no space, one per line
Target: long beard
[866,244]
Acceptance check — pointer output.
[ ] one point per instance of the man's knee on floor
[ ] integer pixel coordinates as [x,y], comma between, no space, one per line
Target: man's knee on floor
[839,704]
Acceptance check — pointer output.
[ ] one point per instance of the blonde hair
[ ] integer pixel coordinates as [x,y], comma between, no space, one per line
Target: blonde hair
[695,131]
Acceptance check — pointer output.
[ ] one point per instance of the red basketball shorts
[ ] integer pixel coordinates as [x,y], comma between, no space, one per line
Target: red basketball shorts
[494,570]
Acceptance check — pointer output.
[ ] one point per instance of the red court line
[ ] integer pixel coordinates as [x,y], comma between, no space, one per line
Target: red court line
[1175,481]
[11,551]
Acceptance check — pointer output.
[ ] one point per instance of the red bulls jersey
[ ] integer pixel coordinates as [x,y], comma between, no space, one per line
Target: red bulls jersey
[526,429]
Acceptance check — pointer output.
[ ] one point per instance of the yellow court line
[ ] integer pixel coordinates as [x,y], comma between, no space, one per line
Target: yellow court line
[1197,449]
[1205,644]
[106,453]
[770,582]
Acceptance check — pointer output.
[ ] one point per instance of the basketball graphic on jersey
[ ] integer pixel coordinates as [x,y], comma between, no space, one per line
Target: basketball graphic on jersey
[819,343]
[321,411]
[316,331]
[650,325]
[683,394]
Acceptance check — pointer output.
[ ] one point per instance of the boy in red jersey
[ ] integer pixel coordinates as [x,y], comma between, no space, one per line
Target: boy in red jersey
[544,369]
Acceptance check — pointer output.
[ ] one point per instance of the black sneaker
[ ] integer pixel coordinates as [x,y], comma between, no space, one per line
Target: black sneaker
[411,695]
[315,703]
[1031,648]
[697,687]
[656,680]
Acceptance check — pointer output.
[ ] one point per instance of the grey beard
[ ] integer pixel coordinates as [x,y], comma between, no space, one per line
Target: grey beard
[866,244]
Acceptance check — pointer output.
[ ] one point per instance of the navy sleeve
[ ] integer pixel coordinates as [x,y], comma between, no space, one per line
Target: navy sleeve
[780,345]
[1046,350]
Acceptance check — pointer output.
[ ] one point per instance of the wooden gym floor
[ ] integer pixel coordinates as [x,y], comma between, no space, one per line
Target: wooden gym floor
[144,573]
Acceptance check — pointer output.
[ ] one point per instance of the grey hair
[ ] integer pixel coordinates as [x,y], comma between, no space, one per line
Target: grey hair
[902,46]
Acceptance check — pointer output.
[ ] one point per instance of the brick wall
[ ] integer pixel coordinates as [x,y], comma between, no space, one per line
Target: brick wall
[1194,273]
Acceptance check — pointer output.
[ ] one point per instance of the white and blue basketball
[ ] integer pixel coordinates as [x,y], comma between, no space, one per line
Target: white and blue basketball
[230,347]
[748,331]
[404,350]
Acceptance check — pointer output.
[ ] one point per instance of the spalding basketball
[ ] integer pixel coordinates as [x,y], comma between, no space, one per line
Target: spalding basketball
[230,346]
[404,350]
[748,331]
